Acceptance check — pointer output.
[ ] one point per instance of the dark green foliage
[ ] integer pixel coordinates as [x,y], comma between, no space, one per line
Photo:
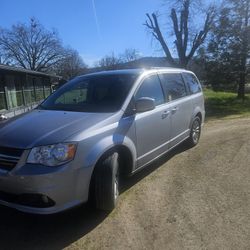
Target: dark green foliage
[225,60]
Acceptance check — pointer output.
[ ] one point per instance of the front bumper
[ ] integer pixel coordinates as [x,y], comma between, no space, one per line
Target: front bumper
[44,190]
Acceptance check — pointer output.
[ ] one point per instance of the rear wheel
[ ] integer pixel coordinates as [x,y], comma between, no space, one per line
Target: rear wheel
[195,132]
[107,182]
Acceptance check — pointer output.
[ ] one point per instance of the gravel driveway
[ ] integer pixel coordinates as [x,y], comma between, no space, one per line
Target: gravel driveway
[195,198]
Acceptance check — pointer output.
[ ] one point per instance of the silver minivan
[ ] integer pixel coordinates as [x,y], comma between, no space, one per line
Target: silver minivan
[76,145]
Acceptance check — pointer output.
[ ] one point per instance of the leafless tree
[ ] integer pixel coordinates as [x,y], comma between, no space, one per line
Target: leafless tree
[31,46]
[186,45]
[112,61]
[71,65]
[130,55]
[109,62]
[4,60]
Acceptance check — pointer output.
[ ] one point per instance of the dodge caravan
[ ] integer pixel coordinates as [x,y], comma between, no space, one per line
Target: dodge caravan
[91,131]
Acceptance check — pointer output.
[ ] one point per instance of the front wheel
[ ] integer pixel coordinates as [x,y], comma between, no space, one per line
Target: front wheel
[107,182]
[195,132]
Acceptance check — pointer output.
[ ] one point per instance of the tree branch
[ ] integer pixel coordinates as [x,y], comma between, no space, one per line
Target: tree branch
[153,25]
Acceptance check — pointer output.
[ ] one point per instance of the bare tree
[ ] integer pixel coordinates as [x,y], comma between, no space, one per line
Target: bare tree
[4,60]
[71,65]
[130,55]
[31,46]
[109,62]
[186,44]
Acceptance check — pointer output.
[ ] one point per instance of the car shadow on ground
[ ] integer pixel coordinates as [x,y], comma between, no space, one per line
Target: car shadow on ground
[24,231]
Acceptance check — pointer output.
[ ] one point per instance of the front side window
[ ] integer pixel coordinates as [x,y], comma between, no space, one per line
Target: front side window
[173,86]
[151,87]
[96,93]
[192,82]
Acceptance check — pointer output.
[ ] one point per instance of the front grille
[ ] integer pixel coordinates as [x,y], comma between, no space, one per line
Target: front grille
[16,152]
[9,158]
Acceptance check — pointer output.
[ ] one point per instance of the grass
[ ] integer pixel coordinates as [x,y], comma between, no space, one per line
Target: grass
[225,104]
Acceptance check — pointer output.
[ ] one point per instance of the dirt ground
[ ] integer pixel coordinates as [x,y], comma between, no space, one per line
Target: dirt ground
[195,198]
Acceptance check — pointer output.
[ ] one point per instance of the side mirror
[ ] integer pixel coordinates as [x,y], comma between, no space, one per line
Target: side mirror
[144,104]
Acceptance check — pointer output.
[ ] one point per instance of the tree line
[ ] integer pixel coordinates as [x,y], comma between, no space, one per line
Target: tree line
[213,40]
[32,46]
[220,49]
[226,55]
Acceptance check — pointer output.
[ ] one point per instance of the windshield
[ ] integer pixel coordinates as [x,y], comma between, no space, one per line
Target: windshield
[97,93]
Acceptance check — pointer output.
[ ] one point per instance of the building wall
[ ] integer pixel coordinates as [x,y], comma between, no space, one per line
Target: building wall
[20,91]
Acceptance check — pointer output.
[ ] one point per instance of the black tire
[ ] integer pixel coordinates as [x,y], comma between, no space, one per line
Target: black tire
[195,132]
[107,183]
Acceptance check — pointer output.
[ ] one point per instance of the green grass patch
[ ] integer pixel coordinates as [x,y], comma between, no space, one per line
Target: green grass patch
[224,104]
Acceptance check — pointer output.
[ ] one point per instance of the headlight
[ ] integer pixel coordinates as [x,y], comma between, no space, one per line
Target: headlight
[52,155]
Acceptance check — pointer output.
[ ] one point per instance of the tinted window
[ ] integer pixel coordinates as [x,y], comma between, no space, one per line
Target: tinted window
[151,88]
[97,93]
[173,85]
[192,82]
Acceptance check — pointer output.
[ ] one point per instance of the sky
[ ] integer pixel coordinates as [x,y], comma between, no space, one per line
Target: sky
[93,27]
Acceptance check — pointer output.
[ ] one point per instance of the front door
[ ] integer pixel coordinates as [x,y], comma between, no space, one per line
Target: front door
[152,127]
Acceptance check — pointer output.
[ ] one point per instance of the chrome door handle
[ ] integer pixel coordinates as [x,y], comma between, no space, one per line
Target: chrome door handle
[174,110]
[165,114]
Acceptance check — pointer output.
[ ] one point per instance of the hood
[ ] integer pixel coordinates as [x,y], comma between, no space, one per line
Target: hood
[44,127]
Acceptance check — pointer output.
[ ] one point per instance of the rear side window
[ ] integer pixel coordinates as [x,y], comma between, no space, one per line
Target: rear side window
[173,86]
[193,84]
[151,87]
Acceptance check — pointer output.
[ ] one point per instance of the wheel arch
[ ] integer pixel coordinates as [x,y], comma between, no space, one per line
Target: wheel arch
[197,112]
[126,158]
[199,115]
[126,161]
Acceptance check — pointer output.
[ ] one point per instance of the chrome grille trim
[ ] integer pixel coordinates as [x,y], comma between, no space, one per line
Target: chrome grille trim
[9,158]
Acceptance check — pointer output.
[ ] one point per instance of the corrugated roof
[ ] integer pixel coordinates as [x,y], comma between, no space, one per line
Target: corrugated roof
[17,69]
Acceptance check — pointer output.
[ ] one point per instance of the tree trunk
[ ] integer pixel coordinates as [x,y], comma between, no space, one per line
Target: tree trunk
[241,88]
[244,53]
